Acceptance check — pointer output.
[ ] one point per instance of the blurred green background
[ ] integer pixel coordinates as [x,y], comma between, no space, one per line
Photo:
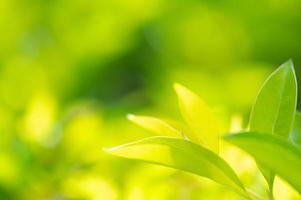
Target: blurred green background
[70,71]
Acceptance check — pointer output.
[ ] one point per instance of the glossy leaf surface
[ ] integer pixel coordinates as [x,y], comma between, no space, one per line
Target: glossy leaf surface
[156,125]
[275,106]
[183,155]
[199,117]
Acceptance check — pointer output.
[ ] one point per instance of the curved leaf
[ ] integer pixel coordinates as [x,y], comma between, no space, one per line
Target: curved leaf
[199,117]
[156,125]
[183,155]
[275,106]
[272,152]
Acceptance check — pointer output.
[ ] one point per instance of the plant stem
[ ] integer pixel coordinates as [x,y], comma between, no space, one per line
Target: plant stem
[270,193]
[271,187]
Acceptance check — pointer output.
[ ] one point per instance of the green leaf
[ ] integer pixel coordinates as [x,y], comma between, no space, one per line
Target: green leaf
[164,127]
[156,125]
[199,117]
[273,152]
[295,136]
[275,107]
[183,155]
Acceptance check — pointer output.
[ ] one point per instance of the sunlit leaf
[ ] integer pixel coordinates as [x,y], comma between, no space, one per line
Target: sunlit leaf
[199,117]
[156,125]
[275,106]
[274,109]
[273,152]
[183,155]
[295,136]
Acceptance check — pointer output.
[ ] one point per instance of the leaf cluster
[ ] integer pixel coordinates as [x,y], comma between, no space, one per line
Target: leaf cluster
[273,138]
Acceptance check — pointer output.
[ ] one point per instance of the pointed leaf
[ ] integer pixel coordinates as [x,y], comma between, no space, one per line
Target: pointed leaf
[183,155]
[273,153]
[156,125]
[199,117]
[274,109]
[275,106]
[295,136]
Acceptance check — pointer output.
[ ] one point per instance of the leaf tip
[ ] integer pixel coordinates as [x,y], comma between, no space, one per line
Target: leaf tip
[182,91]
[289,64]
[106,149]
[130,116]
[177,86]
[110,149]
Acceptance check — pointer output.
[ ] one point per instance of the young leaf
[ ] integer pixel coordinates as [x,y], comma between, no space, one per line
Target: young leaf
[183,155]
[156,125]
[274,109]
[295,136]
[275,106]
[199,117]
[273,152]
[185,131]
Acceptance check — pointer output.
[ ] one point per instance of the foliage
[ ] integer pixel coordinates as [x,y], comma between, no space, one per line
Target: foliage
[271,124]
[71,70]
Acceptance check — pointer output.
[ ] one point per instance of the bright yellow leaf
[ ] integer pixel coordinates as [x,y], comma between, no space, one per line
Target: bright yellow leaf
[156,125]
[199,117]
